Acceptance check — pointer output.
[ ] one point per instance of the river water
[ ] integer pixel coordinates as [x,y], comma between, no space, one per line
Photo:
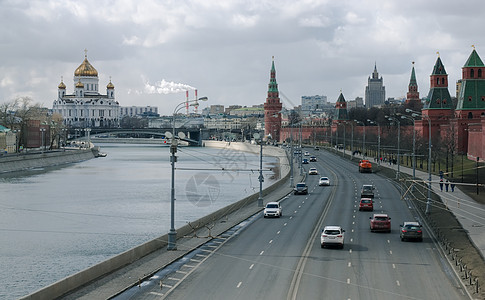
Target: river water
[58,221]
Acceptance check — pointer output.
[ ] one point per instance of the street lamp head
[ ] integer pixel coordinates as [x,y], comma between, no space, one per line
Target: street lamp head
[203,99]
[408,110]
[414,115]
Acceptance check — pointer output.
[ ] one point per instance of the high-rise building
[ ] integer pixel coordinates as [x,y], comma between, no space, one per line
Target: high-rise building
[312,104]
[375,91]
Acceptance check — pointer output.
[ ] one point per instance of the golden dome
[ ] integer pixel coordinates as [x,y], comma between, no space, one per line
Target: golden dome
[61,85]
[110,85]
[86,69]
[79,84]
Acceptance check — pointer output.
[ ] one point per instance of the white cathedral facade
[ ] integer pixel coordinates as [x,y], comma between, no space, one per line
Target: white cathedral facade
[87,107]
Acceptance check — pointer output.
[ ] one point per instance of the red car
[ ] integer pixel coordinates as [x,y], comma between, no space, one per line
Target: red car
[366,204]
[380,222]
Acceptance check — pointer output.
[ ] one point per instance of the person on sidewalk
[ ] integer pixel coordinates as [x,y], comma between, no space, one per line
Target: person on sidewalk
[441,174]
[452,187]
[441,184]
[447,183]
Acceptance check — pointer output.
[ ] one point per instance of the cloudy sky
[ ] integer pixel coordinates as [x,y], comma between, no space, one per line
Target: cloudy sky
[154,50]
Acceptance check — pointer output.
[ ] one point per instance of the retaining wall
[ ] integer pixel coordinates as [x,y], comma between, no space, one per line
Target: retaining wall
[26,161]
[90,274]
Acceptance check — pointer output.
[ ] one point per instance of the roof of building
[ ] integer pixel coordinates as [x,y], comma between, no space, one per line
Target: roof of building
[439,68]
[474,60]
[86,69]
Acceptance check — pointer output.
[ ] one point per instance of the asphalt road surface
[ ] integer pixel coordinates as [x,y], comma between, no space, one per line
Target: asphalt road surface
[281,258]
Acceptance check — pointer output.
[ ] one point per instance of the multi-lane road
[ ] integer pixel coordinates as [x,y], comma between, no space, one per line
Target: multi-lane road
[281,258]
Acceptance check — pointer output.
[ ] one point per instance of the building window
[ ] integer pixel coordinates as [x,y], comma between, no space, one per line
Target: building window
[479,73]
[443,80]
[470,115]
[472,73]
[444,101]
[470,98]
[438,101]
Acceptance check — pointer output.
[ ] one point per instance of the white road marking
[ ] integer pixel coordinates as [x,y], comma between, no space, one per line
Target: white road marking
[278,232]
[156,294]
[350,264]
[388,241]
[348,280]
[239,284]
[292,216]
[285,224]
[393,266]
[261,252]
[352,230]
[390,252]
[181,272]
[351,240]
[299,206]
[270,241]
[353,223]
[397,282]
[350,250]
[251,267]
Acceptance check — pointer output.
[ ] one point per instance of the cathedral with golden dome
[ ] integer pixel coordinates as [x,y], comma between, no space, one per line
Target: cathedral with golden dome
[86,107]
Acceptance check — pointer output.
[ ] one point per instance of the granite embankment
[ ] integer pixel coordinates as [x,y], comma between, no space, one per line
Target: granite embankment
[27,161]
[96,272]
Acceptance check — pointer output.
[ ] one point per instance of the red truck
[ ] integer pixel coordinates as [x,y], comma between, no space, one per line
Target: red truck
[365,166]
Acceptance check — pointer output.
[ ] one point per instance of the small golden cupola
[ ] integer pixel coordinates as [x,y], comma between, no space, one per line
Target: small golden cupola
[86,69]
[79,84]
[110,85]
[61,85]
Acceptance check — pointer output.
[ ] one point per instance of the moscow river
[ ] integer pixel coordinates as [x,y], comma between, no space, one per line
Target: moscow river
[58,221]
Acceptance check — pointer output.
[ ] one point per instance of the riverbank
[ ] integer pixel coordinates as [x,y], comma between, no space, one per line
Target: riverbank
[27,161]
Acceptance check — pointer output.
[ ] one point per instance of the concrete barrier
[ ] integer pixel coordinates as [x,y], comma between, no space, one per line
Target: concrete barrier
[26,161]
[90,274]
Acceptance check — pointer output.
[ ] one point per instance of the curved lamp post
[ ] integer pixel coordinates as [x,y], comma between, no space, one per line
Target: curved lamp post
[414,147]
[172,234]
[418,114]
[398,142]
[363,140]
[378,141]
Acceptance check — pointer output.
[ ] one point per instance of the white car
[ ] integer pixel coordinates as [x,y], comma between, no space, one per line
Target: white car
[313,171]
[273,209]
[324,181]
[332,236]
[307,153]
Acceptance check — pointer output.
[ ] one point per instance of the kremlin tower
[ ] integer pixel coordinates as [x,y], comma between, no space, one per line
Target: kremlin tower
[272,108]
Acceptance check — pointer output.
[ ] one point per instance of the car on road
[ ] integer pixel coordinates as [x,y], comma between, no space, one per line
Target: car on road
[313,171]
[316,148]
[411,231]
[366,204]
[332,236]
[324,181]
[380,222]
[313,158]
[301,188]
[367,191]
[273,209]
[304,161]
[307,153]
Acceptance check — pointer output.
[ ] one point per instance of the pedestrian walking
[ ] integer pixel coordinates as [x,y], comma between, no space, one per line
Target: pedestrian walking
[441,174]
[441,184]
[446,184]
[452,187]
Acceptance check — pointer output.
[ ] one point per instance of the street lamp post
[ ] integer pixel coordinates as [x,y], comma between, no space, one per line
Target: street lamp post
[352,141]
[398,143]
[172,234]
[363,140]
[261,179]
[42,130]
[414,148]
[343,152]
[416,114]
[378,141]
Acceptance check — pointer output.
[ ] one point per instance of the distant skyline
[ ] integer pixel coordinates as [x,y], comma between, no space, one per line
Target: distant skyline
[154,50]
